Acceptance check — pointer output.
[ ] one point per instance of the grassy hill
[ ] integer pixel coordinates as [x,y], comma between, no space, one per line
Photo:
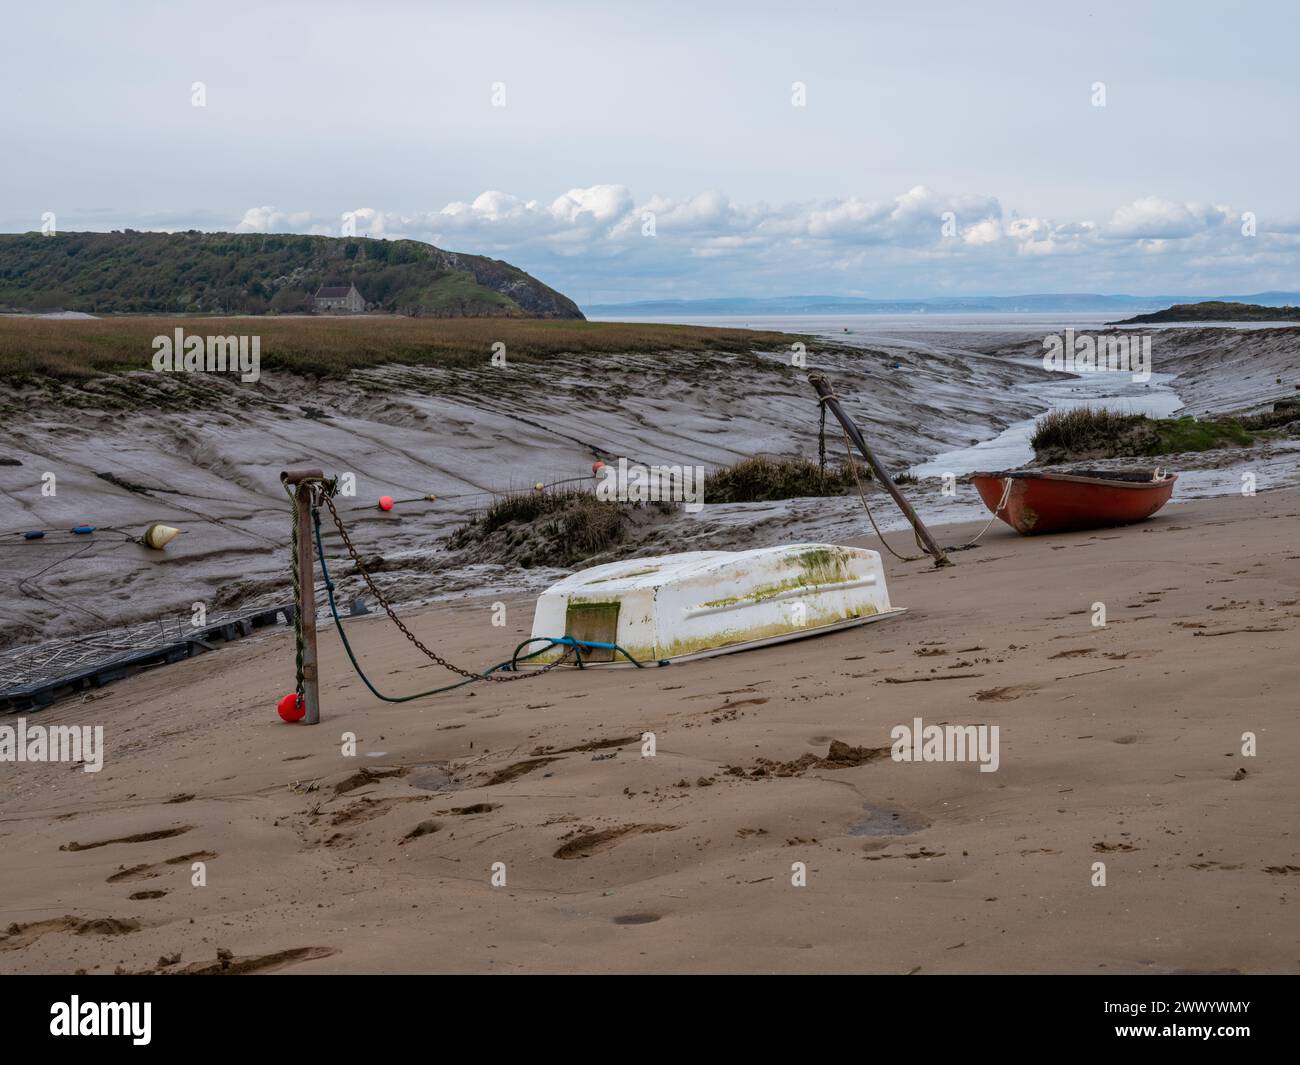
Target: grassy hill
[1217,311]
[253,273]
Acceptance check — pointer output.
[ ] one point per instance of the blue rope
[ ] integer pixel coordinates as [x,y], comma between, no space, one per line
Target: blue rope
[578,647]
[511,664]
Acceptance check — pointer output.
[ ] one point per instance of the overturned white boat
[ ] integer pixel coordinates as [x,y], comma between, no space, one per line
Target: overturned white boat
[701,603]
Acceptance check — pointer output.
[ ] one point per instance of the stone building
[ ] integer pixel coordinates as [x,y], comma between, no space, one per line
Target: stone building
[346,300]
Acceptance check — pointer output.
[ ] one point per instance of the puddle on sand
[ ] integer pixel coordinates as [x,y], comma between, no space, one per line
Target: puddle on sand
[882,821]
[429,777]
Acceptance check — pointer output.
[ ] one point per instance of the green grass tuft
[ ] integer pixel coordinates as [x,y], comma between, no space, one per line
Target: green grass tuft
[1082,429]
[1096,432]
[761,479]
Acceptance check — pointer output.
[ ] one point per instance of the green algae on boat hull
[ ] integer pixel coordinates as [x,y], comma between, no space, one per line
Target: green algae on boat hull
[824,565]
[821,566]
[731,637]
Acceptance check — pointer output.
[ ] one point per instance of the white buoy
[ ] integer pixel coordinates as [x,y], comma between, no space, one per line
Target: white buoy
[158,535]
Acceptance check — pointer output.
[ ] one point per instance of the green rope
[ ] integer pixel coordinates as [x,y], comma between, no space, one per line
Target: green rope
[821,443]
[510,664]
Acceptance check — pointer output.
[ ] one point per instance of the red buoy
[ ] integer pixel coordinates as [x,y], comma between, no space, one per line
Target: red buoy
[596,467]
[291,707]
[385,502]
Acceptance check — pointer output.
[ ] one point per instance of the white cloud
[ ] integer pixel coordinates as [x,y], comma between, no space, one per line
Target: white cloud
[269,220]
[1156,219]
[594,243]
[599,203]
[986,232]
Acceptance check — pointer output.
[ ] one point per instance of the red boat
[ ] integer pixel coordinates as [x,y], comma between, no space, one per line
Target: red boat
[1035,502]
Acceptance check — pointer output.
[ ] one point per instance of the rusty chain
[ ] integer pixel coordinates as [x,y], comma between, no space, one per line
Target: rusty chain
[325,495]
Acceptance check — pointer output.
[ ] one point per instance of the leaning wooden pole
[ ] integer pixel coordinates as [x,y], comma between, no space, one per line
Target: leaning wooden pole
[828,398]
[304,482]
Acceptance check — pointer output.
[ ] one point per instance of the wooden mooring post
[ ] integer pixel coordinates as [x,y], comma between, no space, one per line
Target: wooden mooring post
[828,398]
[304,482]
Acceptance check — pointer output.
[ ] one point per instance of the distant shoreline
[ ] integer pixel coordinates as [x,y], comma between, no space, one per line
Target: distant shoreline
[1027,303]
[1215,311]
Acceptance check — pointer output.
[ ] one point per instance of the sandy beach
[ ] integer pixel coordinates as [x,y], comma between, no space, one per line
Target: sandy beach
[1120,745]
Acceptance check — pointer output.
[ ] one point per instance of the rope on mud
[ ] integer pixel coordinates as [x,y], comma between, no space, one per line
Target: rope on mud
[578,646]
[853,466]
[27,583]
[1006,494]
[432,498]
[326,497]
[821,440]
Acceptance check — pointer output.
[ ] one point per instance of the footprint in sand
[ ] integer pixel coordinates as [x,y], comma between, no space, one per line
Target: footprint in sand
[258,963]
[142,837]
[518,769]
[137,896]
[732,691]
[593,745]
[147,871]
[477,808]
[362,777]
[135,872]
[227,964]
[589,843]
[636,918]
[18,936]
[1005,695]
[193,856]
[366,809]
[731,704]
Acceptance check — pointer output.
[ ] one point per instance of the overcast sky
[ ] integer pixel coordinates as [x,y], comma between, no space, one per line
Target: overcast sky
[619,114]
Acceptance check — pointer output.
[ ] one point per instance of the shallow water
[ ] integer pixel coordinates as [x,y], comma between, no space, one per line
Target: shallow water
[893,326]
[880,821]
[429,778]
[1011,447]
